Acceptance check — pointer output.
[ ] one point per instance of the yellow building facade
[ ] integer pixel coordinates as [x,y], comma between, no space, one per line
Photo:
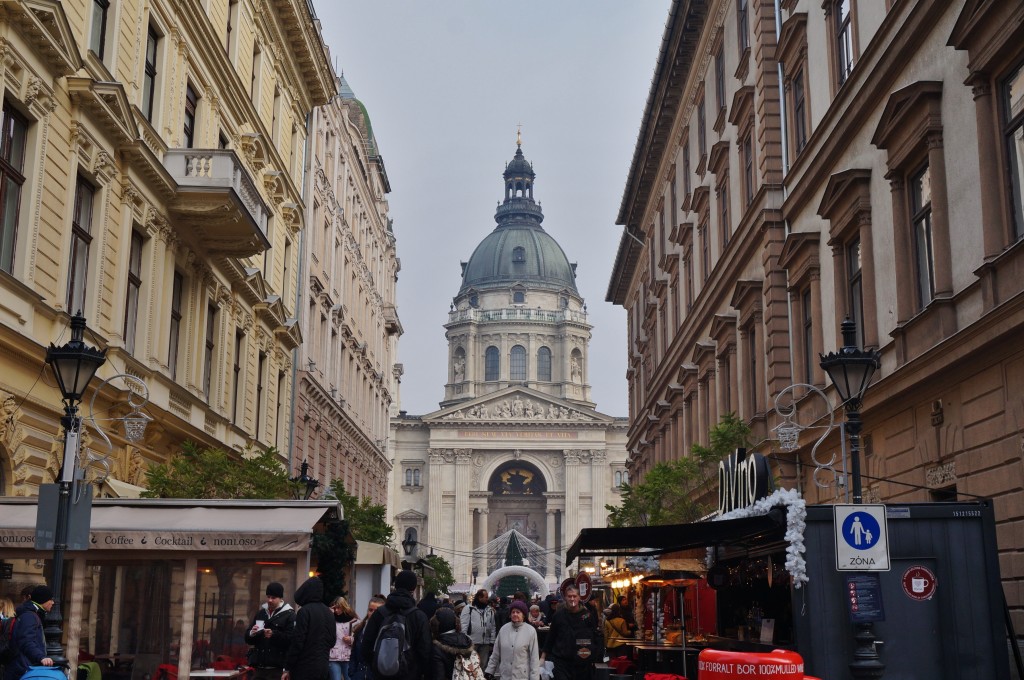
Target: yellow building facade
[152,164]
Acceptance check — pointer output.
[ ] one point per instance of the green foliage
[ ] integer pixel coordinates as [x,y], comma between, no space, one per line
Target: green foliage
[366,519]
[671,492]
[213,473]
[441,579]
[332,553]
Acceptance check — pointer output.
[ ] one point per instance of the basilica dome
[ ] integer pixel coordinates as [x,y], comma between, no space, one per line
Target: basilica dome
[518,250]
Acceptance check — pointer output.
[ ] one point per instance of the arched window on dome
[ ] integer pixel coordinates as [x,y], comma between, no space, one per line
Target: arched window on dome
[517,363]
[519,254]
[492,362]
[544,364]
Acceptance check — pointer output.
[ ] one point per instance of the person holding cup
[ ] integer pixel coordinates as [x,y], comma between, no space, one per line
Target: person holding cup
[270,634]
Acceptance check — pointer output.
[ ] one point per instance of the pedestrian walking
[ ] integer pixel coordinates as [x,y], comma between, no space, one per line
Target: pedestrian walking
[515,655]
[417,630]
[358,665]
[27,637]
[573,643]
[448,644]
[616,633]
[345,621]
[269,634]
[313,636]
[478,623]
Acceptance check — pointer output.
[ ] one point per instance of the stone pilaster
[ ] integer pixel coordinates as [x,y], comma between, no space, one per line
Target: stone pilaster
[552,544]
[599,486]
[571,526]
[434,490]
[463,516]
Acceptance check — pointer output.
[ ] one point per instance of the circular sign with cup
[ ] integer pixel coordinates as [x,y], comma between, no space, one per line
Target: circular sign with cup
[585,586]
[919,583]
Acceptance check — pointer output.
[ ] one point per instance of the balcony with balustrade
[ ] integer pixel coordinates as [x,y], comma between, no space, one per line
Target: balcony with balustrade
[517,314]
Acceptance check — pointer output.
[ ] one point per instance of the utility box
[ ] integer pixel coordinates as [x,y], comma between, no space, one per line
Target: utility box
[937,613]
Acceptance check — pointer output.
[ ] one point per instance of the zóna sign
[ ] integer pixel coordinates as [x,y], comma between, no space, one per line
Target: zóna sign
[742,479]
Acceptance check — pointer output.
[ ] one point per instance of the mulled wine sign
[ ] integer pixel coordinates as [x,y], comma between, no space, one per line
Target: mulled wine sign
[743,478]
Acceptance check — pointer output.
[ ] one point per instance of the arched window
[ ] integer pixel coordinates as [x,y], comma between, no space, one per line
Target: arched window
[618,478]
[518,297]
[408,476]
[517,363]
[544,364]
[519,254]
[492,362]
[416,477]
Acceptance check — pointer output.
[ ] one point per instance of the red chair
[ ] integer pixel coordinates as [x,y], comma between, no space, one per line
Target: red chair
[166,671]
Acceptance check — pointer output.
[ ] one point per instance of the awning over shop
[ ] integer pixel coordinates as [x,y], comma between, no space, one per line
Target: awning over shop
[182,524]
[376,554]
[119,489]
[657,540]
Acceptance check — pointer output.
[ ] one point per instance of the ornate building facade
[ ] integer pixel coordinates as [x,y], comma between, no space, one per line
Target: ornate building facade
[517,443]
[772,195]
[350,321]
[152,163]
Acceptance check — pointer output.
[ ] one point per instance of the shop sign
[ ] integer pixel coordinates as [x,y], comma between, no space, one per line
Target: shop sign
[743,479]
[919,583]
[862,541]
[585,586]
[780,664]
[864,598]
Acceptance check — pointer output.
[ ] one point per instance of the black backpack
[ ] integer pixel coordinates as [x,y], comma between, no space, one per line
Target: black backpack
[8,652]
[391,649]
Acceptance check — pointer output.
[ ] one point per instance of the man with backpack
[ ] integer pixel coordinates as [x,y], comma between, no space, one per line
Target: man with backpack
[396,641]
[28,648]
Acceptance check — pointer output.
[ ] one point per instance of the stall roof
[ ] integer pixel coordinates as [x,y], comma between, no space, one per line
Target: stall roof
[657,540]
[375,553]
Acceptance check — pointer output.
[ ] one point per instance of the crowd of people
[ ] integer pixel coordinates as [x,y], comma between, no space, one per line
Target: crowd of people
[398,638]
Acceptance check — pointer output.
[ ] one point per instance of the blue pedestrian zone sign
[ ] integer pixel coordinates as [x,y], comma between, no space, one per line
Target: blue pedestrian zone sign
[862,541]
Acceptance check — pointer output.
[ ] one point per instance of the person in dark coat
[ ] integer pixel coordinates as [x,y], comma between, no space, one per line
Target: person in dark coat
[313,636]
[27,637]
[269,634]
[448,644]
[429,604]
[417,627]
[574,642]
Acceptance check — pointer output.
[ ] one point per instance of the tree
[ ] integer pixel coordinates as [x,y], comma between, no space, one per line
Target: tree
[675,492]
[366,520]
[212,473]
[441,579]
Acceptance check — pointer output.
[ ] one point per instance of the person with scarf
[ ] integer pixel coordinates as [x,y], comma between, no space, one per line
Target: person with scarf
[269,634]
[515,655]
[478,623]
[449,643]
[536,617]
[27,636]
[345,620]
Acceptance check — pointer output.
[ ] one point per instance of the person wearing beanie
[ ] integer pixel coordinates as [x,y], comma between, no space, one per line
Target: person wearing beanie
[449,643]
[27,638]
[269,634]
[417,627]
[516,655]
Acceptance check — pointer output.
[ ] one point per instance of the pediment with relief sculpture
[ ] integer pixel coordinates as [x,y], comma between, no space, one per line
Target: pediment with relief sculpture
[518,404]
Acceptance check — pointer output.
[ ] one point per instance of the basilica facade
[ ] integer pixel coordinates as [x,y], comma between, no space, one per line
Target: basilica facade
[517,443]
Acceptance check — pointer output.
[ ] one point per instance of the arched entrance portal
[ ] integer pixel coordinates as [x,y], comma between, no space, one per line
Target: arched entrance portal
[517,503]
[535,579]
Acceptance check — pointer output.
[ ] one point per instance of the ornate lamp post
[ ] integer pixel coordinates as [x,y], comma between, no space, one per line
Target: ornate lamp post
[850,370]
[74,364]
[306,483]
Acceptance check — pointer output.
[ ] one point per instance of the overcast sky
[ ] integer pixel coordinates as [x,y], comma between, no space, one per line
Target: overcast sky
[445,83]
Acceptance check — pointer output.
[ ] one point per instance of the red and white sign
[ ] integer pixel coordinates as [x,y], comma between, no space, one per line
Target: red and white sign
[715,664]
[919,583]
[585,585]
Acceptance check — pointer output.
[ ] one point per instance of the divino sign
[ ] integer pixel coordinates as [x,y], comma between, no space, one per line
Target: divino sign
[743,478]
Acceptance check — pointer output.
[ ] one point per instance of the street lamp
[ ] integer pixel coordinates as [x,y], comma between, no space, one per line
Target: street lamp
[476,572]
[74,364]
[850,370]
[409,545]
[306,482]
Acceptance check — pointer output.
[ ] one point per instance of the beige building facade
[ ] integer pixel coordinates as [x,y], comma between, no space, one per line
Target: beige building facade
[152,163]
[830,160]
[350,321]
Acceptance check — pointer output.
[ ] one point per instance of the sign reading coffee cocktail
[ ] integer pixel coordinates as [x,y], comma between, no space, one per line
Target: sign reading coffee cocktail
[743,478]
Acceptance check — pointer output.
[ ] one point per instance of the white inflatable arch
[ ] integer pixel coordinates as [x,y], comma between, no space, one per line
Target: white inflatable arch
[516,570]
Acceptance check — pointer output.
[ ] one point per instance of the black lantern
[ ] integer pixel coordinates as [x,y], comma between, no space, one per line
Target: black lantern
[476,572]
[307,484]
[851,368]
[74,364]
[409,544]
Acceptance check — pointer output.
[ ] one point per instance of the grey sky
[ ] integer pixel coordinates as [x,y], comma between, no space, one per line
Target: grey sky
[445,83]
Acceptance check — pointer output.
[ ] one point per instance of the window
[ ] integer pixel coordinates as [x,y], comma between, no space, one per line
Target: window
[261,367]
[799,113]
[131,304]
[492,363]
[688,283]
[844,40]
[702,142]
[210,347]
[720,77]
[705,254]
[723,207]
[519,297]
[742,25]
[519,254]
[232,35]
[236,376]
[191,102]
[412,477]
[257,66]
[172,345]
[517,363]
[855,287]
[98,30]
[149,78]
[544,364]
[1012,95]
[408,476]
[275,121]
[14,128]
[278,406]
[222,143]
[807,336]
[81,238]
[747,151]
[921,222]
[752,378]
[686,169]
[286,277]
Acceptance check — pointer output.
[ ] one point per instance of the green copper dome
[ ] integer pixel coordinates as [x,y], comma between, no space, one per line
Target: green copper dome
[518,250]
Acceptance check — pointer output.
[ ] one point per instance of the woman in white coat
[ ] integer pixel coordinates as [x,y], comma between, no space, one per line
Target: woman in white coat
[516,654]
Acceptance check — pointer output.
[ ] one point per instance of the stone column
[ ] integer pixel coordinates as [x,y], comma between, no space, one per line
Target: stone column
[989,180]
[434,490]
[571,523]
[552,544]
[480,559]
[463,516]
[599,485]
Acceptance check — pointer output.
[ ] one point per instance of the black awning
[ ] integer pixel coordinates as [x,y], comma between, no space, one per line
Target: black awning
[657,540]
